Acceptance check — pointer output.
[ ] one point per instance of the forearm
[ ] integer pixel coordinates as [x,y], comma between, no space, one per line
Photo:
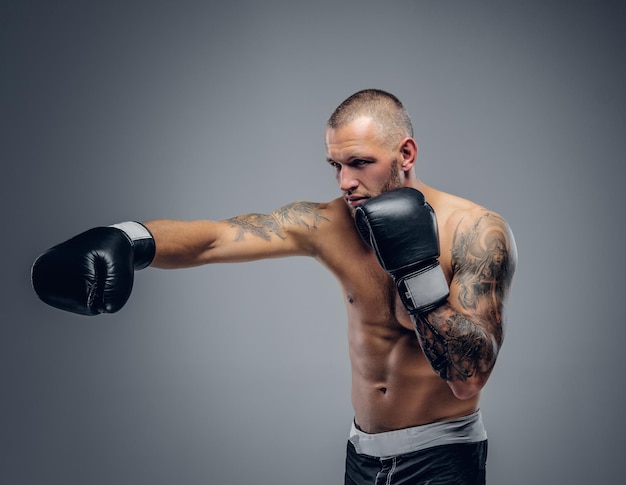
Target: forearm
[182,244]
[460,351]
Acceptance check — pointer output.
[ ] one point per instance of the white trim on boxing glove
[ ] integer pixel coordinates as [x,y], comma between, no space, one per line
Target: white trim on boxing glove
[424,290]
[133,230]
[141,239]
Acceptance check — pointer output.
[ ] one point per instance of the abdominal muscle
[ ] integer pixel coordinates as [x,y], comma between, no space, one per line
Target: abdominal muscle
[393,384]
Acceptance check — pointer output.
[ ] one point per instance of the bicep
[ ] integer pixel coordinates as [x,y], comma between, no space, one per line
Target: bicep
[251,237]
[291,230]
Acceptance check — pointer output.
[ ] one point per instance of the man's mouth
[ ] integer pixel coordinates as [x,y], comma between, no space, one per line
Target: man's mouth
[354,200]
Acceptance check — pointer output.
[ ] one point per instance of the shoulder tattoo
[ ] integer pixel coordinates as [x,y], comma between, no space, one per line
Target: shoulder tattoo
[305,214]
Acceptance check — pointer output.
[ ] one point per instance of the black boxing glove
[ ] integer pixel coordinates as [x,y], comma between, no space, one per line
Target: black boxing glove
[401,227]
[93,272]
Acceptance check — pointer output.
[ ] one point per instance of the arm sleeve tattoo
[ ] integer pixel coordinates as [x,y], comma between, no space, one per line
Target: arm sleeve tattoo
[462,343]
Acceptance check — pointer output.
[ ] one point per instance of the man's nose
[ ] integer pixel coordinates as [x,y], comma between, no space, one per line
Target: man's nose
[347,180]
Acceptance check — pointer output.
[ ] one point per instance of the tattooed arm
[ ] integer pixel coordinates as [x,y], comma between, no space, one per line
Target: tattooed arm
[462,338]
[287,231]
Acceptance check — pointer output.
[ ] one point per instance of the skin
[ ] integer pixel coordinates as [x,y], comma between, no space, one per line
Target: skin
[394,383]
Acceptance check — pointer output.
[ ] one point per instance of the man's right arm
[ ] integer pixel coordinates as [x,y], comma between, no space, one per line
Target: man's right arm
[92,273]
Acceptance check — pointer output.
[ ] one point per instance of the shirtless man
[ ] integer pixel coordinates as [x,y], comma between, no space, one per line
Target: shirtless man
[417,368]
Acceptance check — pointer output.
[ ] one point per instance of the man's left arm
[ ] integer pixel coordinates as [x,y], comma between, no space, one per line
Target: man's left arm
[462,337]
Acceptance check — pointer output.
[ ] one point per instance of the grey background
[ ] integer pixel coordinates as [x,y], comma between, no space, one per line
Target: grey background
[235,374]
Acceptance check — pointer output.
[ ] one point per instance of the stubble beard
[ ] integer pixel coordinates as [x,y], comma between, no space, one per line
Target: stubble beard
[393,181]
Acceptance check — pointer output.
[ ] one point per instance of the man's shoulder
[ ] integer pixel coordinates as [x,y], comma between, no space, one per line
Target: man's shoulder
[450,209]
[457,214]
[319,228]
[311,219]
[470,230]
[322,211]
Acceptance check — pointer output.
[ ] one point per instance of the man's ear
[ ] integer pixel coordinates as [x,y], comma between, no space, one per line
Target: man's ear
[409,151]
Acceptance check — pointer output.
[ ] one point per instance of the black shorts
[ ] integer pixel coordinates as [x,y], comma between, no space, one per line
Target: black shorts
[452,464]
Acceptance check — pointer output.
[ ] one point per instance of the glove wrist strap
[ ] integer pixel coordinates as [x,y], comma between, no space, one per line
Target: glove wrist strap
[423,290]
[143,243]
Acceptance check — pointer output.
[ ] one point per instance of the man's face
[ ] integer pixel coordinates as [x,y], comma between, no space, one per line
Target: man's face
[364,166]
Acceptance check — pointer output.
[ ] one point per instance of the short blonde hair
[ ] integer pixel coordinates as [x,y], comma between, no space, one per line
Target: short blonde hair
[385,109]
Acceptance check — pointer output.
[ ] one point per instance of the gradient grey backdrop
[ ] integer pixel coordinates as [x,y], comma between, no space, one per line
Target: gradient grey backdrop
[116,110]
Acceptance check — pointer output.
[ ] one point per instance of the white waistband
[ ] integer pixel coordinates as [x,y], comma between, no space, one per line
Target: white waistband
[468,429]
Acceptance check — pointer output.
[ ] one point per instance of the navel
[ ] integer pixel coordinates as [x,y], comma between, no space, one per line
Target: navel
[350,299]
[383,390]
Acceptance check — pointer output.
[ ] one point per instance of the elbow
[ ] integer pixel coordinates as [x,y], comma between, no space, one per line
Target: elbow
[469,385]
[468,389]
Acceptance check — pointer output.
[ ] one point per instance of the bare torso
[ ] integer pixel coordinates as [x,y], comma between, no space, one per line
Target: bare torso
[393,384]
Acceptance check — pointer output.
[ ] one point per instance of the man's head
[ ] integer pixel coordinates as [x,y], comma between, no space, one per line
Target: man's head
[369,143]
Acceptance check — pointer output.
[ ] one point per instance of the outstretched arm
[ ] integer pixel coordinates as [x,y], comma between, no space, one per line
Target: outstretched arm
[93,272]
[462,337]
